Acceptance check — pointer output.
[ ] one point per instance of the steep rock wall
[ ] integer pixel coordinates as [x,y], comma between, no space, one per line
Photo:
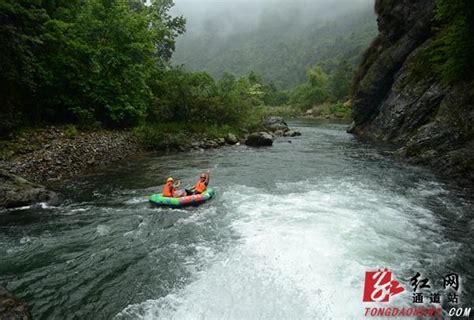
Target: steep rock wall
[395,101]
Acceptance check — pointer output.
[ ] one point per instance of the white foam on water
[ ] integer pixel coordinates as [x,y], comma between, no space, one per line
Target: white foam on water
[45,205]
[25,240]
[18,208]
[137,200]
[138,230]
[102,230]
[195,215]
[303,254]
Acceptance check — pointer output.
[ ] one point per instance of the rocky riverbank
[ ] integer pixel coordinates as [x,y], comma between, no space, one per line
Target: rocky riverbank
[53,154]
[44,157]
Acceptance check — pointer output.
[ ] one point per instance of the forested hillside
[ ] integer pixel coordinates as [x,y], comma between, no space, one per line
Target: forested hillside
[280,44]
[82,61]
[105,64]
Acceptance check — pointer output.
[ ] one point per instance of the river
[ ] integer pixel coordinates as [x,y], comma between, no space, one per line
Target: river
[290,234]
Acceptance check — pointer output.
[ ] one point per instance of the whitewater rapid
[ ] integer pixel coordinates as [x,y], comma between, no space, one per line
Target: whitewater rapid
[303,255]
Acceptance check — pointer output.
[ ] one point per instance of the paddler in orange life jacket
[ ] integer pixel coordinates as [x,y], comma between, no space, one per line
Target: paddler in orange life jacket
[201,185]
[171,189]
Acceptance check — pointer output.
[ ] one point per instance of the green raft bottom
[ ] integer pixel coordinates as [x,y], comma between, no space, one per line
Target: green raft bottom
[160,201]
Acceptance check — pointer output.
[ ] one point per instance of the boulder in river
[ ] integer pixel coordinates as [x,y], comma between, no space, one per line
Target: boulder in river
[292,133]
[278,133]
[16,191]
[275,123]
[259,139]
[231,139]
[12,308]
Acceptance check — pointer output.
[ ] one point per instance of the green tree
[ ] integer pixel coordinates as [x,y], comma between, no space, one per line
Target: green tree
[313,92]
[316,77]
[340,81]
[20,30]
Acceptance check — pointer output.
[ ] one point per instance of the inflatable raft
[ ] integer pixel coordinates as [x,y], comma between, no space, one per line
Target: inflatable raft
[194,200]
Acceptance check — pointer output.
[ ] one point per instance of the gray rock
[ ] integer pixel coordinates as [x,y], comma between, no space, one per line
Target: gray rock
[275,123]
[12,308]
[397,102]
[404,26]
[292,133]
[231,139]
[259,139]
[16,191]
[221,141]
[205,146]
[278,133]
[209,144]
[351,128]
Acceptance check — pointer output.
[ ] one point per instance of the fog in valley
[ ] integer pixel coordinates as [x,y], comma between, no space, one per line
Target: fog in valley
[228,17]
[278,39]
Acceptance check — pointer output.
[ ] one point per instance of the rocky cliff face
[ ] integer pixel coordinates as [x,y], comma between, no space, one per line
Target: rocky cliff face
[397,101]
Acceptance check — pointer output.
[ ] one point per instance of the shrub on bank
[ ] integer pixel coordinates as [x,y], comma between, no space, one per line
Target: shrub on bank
[332,110]
[282,111]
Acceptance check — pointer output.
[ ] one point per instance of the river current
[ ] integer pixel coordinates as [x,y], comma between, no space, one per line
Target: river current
[290,234]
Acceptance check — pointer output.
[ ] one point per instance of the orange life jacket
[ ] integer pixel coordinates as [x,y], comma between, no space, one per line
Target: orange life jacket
[168,190]
[200,187]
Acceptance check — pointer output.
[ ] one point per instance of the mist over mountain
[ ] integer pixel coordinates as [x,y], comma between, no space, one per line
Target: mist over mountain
[278,39]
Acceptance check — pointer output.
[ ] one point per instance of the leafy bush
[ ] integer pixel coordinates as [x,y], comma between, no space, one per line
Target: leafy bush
[71,131]
[332,110]
[163,136]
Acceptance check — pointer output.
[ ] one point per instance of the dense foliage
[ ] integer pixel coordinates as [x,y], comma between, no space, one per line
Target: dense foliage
[189,104]
[183,97]
[454,48]
[82,61]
